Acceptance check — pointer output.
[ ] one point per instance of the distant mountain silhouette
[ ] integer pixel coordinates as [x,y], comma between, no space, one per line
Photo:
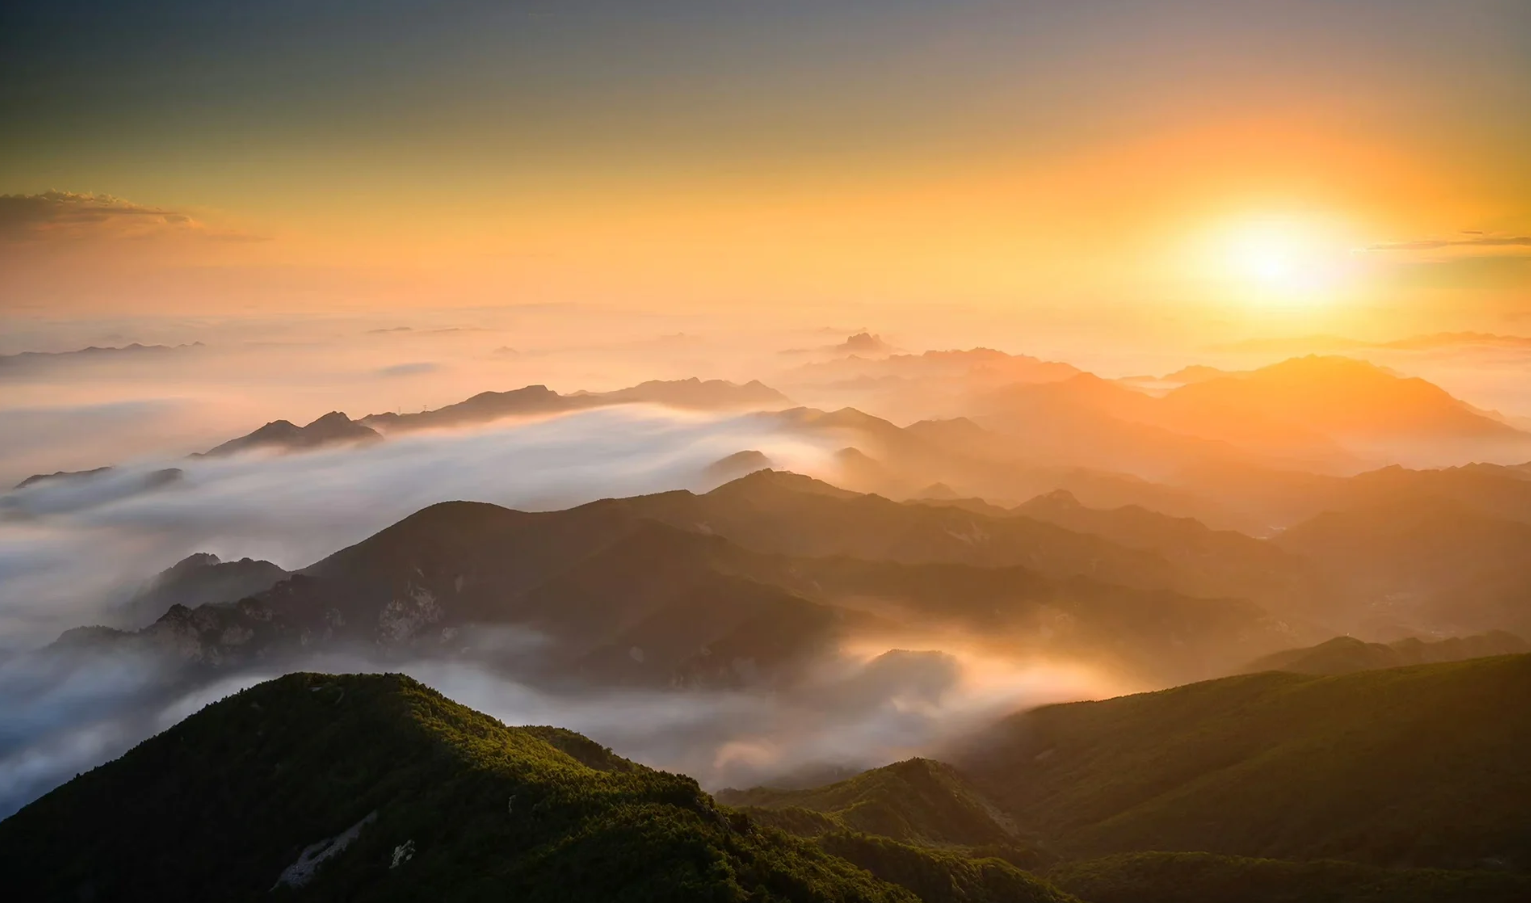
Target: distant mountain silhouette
[1230,563]
[1343,655]
[1195,373]
[984,365]
[916,386]
[1424,562]
[33,360]
[1339,397]
[333,428]
[197,580]
[736,465]
[862,343]
[61,476]
[1330,343]
[713,394]
[1316,413]
[143,481]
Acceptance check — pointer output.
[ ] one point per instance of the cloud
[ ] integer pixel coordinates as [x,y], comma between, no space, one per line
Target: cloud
[1475,240]
[67,711]
[70,549]
[411,369]
[294,509]
[69,215]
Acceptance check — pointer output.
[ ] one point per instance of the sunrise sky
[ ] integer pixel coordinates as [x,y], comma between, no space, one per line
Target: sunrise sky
[1206,170]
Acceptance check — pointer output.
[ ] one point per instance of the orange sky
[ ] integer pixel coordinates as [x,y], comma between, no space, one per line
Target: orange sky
[1159,168]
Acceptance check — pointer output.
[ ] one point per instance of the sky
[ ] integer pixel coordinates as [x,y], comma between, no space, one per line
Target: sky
[1133,171]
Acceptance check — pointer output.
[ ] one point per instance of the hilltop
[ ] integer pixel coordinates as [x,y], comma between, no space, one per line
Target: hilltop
[918,801]
[374,788]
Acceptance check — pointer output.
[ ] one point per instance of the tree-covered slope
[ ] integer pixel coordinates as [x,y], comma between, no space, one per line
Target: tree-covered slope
[1417,766]
[917,800]
[382,789]
[941,876]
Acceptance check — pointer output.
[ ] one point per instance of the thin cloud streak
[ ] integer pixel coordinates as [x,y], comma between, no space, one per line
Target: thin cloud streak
[1477,240]
[57,214]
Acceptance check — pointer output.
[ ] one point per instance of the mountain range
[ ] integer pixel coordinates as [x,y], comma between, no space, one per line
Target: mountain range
[746,583]
[314,787]
[37,360]
[1395,785]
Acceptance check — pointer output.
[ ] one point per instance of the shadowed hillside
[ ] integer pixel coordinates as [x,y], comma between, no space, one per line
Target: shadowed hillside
[918,800]
[1421,766]
[1205,878]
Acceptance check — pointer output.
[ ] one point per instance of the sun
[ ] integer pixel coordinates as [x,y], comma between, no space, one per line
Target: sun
[1277,260]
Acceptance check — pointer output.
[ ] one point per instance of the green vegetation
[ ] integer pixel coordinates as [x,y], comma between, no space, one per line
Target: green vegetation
[465,809]
[1205,878]
[1417,766]
[917,801]
[942,876]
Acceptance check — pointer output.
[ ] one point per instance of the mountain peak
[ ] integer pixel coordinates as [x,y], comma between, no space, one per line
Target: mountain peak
[776,481]
[431,799]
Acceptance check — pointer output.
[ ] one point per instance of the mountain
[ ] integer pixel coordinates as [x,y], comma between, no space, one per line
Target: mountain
[736,465]
[200,579]
[613,600]
[916,823]
[1489,489]
[1095,423]
[1423,563]
[784,513]
[318,787]
[968,368]
[36,360]
[1339,397]
[1313,413]
[333,428]
[915,386]
[940,875]
[61,476]
[712,394]
[1229,563]
[1195,373]
[917,801]
[1345,654]
[1434,341]
[1407,767]
[744,585]
[53,493]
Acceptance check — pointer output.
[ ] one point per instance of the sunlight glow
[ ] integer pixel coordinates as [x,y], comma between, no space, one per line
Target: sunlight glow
[1278,261]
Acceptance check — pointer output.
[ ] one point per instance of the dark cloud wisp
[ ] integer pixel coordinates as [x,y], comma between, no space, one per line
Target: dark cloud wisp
[71,215]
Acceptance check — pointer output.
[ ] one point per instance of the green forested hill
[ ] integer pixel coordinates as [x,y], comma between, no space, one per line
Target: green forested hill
[1416,766]
[439,802]
[917,800]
